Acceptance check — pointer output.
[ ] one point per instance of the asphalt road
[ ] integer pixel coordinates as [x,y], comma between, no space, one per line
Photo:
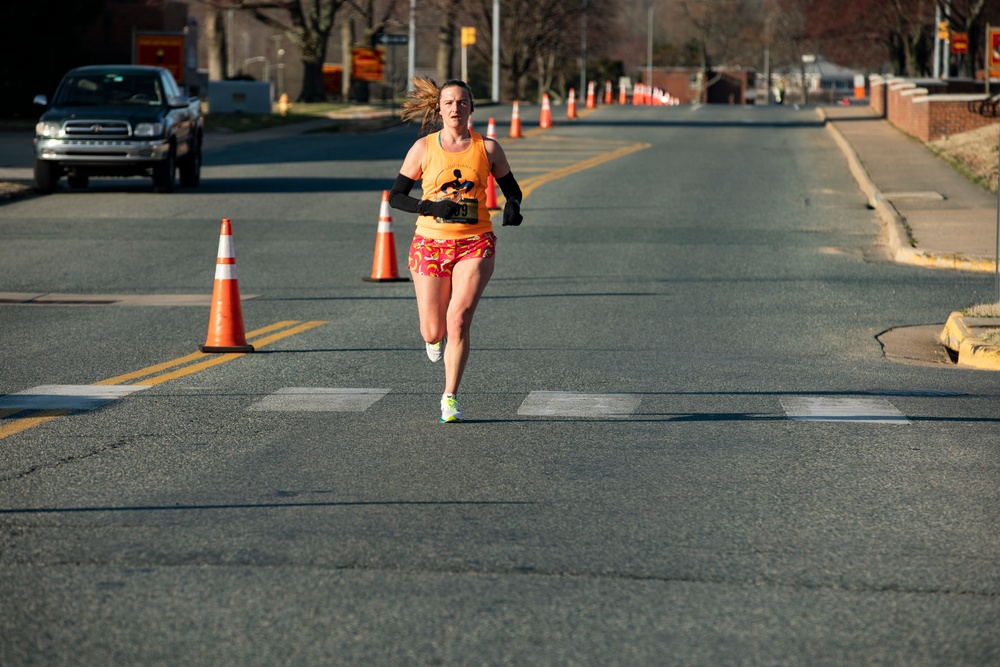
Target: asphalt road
[684,444]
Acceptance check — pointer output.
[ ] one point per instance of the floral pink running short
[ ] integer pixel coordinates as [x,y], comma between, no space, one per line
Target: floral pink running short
[431,257]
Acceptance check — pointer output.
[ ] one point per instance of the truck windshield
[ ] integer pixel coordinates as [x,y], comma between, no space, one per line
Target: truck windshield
[110,88]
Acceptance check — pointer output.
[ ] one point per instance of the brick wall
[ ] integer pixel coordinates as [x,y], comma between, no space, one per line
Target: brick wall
[928,110]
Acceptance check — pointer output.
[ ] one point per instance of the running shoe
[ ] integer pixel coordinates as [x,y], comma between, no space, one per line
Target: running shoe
[435,350]
[449,410]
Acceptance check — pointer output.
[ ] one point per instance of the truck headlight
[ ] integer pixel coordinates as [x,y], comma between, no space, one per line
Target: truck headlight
[47,128]
[148,130]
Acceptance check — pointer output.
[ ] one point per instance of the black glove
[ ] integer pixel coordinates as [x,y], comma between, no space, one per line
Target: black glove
[445,209]
[512,213]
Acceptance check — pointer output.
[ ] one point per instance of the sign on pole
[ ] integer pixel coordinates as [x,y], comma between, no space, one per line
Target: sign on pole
[366,65]
[468,35]
[162,49]
[959,42]
[993,51]
[393,40]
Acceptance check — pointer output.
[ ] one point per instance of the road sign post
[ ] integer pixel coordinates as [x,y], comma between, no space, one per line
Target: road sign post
[468,39]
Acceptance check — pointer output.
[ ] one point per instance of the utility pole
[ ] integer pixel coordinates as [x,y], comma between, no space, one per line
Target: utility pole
[411,47]
[496,51]
[649,49]
[583,50]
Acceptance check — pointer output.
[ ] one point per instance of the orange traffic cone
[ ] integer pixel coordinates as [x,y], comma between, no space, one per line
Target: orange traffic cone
[591,102]
[384,267]
[491,183]
[225,322]
[607,93]
[622,96]
[515,122]
[571,104]
[637,94]
[546,119]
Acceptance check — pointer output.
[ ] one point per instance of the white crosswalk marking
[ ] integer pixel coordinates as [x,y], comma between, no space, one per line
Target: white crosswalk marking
[319,399]
[573,404]
[67,396]
[842,409]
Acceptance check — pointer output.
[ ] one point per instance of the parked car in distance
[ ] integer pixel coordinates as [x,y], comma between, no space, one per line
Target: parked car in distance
[118,120]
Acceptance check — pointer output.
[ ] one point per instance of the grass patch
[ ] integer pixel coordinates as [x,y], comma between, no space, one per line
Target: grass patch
[993,338]
[983,310]
[248,122]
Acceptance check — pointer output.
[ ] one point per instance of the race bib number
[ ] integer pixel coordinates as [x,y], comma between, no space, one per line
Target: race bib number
[468,214]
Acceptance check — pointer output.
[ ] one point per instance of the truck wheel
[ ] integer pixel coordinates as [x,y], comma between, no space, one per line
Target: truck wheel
[47,175]
[165,173]
[190,167]
[79,182]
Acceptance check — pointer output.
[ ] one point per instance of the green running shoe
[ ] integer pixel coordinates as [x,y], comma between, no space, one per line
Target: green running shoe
[449,410]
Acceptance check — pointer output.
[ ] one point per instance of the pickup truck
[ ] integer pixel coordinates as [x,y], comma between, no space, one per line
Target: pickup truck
[118,120]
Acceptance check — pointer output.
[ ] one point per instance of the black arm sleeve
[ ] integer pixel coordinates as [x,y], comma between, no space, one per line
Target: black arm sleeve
[399,196]
[508,185]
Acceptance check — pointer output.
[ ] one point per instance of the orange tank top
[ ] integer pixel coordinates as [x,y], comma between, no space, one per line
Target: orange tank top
[461,177]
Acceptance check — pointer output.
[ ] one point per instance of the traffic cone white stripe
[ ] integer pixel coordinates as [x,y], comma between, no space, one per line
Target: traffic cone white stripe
[226,248]
[225,271]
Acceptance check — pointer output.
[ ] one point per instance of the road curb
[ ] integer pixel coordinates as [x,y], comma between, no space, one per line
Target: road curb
[973,352]
[898,236]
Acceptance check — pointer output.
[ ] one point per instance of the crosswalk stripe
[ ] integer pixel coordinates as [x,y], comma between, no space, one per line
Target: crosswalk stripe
[319,399]
[842,409]
[67,396]
[574,404]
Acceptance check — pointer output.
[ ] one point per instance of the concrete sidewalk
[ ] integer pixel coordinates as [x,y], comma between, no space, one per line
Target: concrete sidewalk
[934,216]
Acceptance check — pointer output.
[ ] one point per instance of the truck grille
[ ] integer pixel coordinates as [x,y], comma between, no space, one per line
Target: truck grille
[105,129]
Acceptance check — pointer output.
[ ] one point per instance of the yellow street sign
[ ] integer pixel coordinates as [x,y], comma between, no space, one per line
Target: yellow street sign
[468,35]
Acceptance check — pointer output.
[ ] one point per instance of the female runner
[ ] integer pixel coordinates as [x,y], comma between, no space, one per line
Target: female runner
[453,251]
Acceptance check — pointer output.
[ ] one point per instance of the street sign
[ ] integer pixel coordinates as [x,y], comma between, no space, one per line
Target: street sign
[959,42]
[162,49]
[394,40]
[468,36]
[366,65]
[993,48]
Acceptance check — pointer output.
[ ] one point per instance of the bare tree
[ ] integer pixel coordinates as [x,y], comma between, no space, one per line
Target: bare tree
[719,29]
[306,23]
[965,16]
[540,40]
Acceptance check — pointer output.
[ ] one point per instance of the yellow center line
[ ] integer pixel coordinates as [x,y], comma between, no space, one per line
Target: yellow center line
[152,370]
[529,184]
[25,423]
[537,181]
[229,356]
[40,417]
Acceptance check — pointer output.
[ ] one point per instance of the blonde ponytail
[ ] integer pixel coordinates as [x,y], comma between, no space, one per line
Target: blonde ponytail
[422,103]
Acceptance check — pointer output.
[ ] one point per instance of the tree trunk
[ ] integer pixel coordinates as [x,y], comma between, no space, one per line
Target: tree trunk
[347,61]
[215,38]
[446,44]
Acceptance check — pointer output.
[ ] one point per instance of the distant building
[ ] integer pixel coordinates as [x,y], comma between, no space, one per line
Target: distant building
[823,80]
[731,86]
